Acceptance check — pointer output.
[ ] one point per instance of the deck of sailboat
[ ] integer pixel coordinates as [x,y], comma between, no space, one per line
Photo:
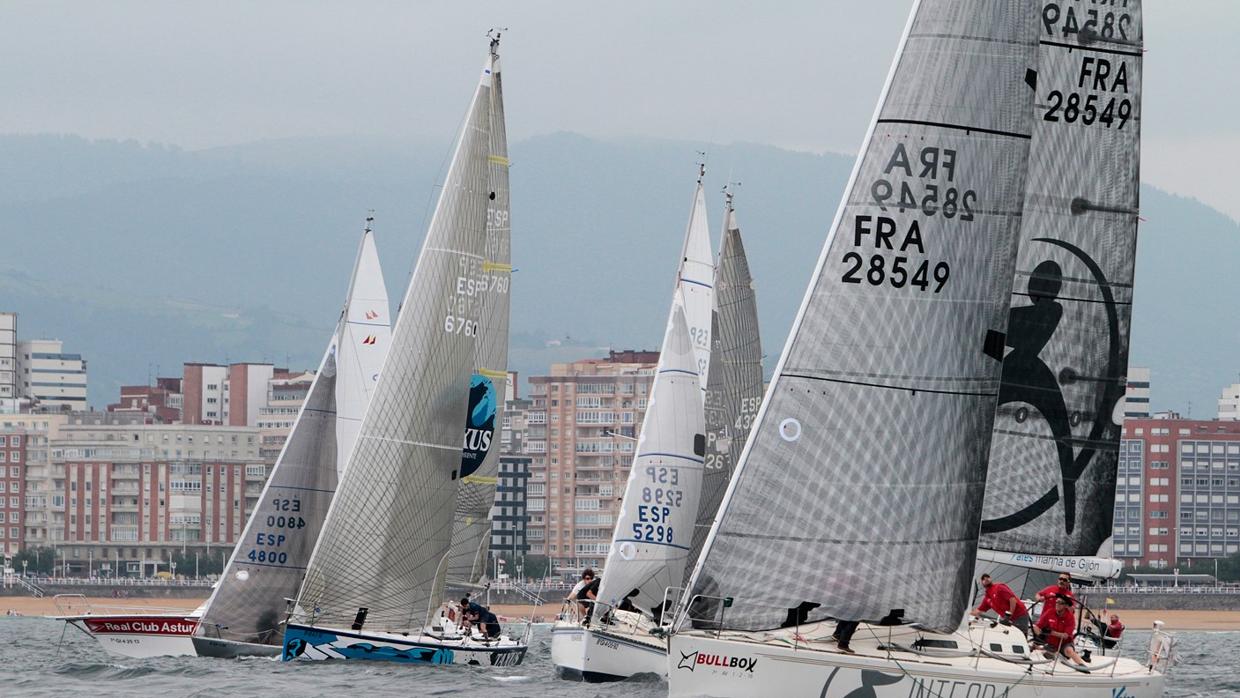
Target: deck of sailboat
[998,653]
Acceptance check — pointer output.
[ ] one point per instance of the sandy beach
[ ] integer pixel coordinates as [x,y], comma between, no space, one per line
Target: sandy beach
[29,606]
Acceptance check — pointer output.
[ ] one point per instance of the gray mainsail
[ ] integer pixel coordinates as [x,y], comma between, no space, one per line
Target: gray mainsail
[266,567]
[734,386]
[858,495]
[471,532]
[386,537]
[1054,456]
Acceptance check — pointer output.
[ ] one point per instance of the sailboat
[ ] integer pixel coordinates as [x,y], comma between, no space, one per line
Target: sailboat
[858,498]
[246,609]
[652,539]
[375,582]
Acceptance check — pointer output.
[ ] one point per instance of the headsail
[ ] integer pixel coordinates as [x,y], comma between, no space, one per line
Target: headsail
[858,495]
[365,336]
[650,544]
[269,561]
[471,532]
[695,277]
[734,387]
[386,537]
[1051,485]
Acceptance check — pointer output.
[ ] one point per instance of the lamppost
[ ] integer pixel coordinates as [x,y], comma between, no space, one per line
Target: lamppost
[27,562]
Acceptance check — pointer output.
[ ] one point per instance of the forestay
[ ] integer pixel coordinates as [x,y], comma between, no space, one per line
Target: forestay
[650,543]
[386,537]
[734,386]
[859,492]
[1054,457]
[365,337]
[480,458]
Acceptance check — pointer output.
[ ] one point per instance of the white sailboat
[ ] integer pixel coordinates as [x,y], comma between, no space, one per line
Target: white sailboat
[651,541]
[661,497]
[859,494]
[245,612]
[375,581]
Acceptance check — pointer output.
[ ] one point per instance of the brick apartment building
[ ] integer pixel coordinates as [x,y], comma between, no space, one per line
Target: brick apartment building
[1177,495]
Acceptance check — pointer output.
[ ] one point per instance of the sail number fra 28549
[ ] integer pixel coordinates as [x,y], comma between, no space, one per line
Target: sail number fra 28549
[892,252]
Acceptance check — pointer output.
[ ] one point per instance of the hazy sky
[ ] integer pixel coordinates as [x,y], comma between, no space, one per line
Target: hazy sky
[801,74]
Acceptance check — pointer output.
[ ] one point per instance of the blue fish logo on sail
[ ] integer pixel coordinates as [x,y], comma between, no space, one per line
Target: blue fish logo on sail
[479,423]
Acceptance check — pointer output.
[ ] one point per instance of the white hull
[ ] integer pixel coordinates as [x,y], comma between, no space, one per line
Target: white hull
[600,654]
[701,664]
[140,635]
[314,643]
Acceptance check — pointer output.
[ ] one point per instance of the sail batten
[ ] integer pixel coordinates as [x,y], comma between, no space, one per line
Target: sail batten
[387,535]
[1054,457]
[909,301]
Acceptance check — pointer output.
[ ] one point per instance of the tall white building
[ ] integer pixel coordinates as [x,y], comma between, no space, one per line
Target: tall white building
[46,373]
[1137,397]
[8,362]
[1229,403]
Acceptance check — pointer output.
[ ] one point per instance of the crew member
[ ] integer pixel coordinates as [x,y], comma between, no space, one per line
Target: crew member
[626,604]
[1061,587]
[586,577]
[1059,627]
[1000,599]
[1115,628]
[481,616]
[588,595]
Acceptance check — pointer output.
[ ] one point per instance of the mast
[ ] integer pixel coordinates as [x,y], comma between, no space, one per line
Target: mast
[858,494]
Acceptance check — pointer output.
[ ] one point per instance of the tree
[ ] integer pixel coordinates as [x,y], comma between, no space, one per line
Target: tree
[207,564]
[536,566]
[39,559]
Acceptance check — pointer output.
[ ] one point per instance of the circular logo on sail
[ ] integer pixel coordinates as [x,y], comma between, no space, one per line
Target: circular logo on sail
[479,423]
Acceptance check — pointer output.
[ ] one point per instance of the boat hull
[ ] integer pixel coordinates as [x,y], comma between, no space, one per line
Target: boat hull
[702,665]
[313,643]
[140,636]
[228,649]
[595,655]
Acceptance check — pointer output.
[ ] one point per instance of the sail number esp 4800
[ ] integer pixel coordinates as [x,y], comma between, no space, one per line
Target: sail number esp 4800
[891,253]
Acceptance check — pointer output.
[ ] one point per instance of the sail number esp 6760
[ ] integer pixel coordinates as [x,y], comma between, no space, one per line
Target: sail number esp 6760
[893,253]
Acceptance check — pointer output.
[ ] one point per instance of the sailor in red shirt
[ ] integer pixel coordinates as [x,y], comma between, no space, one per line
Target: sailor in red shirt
[1116,628]
[1062,587]
[1059,628]
[1000,599]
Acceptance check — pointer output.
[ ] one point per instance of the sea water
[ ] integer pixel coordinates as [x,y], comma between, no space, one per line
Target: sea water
[36,661]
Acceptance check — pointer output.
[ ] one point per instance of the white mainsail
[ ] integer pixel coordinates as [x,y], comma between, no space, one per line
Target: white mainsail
[471,532]
[365,335]
[1054,459]
[650,544]
[380,559]
[695,277]
[734,386]
[269,561]
[858,494]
